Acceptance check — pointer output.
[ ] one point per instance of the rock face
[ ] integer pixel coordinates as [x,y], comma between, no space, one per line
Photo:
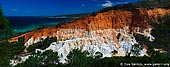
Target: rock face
[114,19]
[104,32]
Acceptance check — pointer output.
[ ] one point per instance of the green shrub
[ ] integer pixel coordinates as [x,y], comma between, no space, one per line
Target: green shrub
[43,44]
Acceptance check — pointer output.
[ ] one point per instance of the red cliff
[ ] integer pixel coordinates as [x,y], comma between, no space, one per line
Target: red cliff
[114,19]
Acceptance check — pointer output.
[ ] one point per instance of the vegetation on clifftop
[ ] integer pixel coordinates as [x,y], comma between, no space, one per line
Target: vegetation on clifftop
[139,4]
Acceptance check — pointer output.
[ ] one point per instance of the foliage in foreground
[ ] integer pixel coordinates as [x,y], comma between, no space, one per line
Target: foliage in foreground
[76,58]
[45,59]
[5,29]
[161,32]
[8,50]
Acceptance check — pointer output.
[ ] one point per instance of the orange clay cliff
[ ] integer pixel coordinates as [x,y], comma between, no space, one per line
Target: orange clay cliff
[135,20]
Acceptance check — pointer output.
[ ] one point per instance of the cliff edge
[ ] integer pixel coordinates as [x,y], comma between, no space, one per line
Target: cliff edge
[114,19]
[103,32]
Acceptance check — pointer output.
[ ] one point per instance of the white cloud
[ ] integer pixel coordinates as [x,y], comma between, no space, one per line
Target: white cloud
[83,5]
[121,3]
[107,4]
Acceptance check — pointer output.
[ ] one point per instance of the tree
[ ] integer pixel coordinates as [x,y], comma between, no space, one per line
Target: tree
[136,48]
[45,59]
[98,55]
[155,3]
[76,58]
[161,33]
[114,52]
[9,50]
[44,43]
[5,29]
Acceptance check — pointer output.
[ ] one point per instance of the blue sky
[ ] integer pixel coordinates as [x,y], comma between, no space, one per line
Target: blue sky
[55,7]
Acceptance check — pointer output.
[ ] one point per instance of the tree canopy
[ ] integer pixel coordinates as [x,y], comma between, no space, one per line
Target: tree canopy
[5,29]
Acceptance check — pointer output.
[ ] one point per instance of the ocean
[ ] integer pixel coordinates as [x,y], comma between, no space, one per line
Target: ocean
[24,24]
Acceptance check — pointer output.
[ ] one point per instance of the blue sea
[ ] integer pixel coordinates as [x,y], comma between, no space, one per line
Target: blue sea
[24,24]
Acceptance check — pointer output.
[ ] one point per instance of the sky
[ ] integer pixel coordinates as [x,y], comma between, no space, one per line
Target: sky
[55,7]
